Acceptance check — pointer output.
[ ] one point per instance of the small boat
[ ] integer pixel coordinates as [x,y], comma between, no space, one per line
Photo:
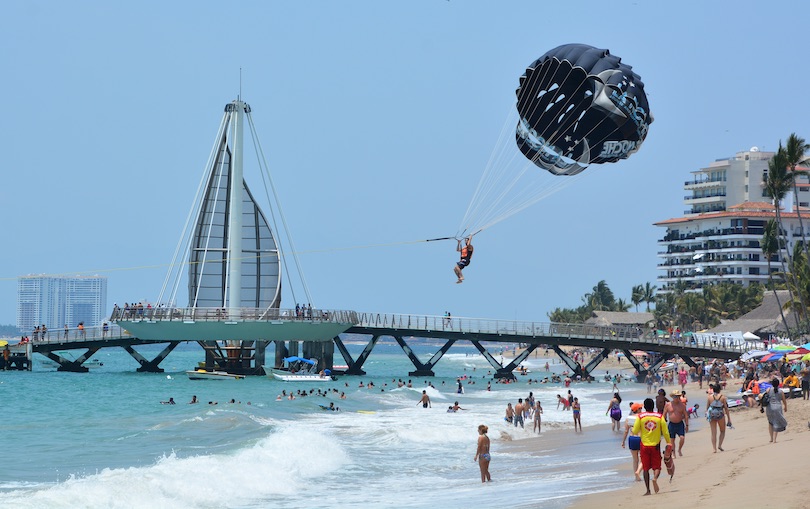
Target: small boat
[201,374]
[299,369]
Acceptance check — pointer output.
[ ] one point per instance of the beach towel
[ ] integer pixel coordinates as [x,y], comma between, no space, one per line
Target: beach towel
[669,461]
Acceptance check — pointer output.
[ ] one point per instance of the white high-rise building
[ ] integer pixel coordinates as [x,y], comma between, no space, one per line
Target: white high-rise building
[56,301]
[719,237]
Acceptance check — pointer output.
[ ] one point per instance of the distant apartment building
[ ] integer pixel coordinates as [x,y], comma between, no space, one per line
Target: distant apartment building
[56,301]
[719,237]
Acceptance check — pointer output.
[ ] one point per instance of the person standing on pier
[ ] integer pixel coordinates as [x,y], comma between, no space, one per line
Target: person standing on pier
[466,254]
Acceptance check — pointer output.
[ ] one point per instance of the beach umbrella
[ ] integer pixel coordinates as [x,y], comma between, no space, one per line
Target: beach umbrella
[806,357]
[797,353]
[750,336]
[754,354]
[773,356]
[3,343]
[782,348]
[638,352]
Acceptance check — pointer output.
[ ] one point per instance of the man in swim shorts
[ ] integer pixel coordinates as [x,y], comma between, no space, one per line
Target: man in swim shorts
[425,400]
[466,254]
[518,418]
[651,427]
[678,418]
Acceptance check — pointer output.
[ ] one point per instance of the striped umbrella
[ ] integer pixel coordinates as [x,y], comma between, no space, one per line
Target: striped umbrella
[797,353]
[773,356]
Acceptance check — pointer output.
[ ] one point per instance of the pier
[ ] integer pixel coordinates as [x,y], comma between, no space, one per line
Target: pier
[402,328]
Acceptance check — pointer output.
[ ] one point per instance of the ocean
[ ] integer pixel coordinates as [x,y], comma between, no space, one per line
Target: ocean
[104,440]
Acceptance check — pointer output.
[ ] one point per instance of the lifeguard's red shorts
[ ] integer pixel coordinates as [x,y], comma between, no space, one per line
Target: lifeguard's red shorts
[650,457]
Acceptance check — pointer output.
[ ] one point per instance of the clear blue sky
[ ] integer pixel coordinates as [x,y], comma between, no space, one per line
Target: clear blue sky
[377,119]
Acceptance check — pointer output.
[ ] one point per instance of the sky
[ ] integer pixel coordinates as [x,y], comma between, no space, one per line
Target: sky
[377,119]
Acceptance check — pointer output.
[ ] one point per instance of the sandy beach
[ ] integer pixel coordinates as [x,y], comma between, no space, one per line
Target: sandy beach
[751,472]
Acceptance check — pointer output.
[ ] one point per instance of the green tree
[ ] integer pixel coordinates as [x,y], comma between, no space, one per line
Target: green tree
[601,298]
[622,306]
[637,296]
[795,148]
[770,248]
[649,294]
[778,183]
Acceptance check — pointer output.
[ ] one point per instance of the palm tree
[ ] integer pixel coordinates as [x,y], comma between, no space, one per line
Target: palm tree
[649,294]
[602,298]
[622,306]
[665,309]
[795,148]
[778,183]
[770,246]
[637,296]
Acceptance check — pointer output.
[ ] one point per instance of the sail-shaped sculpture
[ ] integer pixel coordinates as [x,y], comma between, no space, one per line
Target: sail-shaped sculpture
[211,262]
[234,274]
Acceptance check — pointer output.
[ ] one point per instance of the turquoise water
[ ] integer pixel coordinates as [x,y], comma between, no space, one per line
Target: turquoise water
[102,439]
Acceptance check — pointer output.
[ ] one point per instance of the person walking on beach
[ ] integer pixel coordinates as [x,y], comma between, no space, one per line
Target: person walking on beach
[661,401]
[576,410]
[678,418]
[425,400]
[775,401]
[482,453]
[466,255]
[633,440]
[651,427]
[683,377]
[615,410]
[717,408]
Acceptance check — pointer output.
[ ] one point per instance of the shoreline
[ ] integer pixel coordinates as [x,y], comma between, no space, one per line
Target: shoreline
[751,472]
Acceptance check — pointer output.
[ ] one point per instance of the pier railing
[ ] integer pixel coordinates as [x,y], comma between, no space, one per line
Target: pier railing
[521,330]
[233,314]
[77,335]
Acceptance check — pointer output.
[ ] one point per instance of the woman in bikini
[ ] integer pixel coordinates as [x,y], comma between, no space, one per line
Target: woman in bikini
[577,410]
[482,453]
[717,408]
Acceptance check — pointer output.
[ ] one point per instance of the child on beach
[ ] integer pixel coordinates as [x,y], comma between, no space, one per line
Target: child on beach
[576,410]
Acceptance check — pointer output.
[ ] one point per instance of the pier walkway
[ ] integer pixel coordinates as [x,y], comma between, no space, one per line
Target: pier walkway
[532,335]
[403,328]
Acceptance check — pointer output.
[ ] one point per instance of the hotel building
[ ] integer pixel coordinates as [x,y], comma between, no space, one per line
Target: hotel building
[56,301]
[719,237]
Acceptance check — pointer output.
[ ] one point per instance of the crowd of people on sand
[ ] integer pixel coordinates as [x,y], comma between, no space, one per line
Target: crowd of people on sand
[662,419]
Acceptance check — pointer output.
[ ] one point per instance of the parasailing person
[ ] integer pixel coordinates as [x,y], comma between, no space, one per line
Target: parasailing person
[466,254]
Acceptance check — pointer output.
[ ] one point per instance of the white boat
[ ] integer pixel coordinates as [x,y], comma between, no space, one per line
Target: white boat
[201,374]
[299,369]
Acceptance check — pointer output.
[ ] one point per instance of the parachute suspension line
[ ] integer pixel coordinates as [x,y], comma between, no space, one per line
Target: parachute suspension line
[498,178]
[507,187]
[266,170]
[184,241]
[487,175]
[518,207]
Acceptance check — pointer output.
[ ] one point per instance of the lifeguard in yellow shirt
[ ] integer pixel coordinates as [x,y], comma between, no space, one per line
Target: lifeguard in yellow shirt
[651,426]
